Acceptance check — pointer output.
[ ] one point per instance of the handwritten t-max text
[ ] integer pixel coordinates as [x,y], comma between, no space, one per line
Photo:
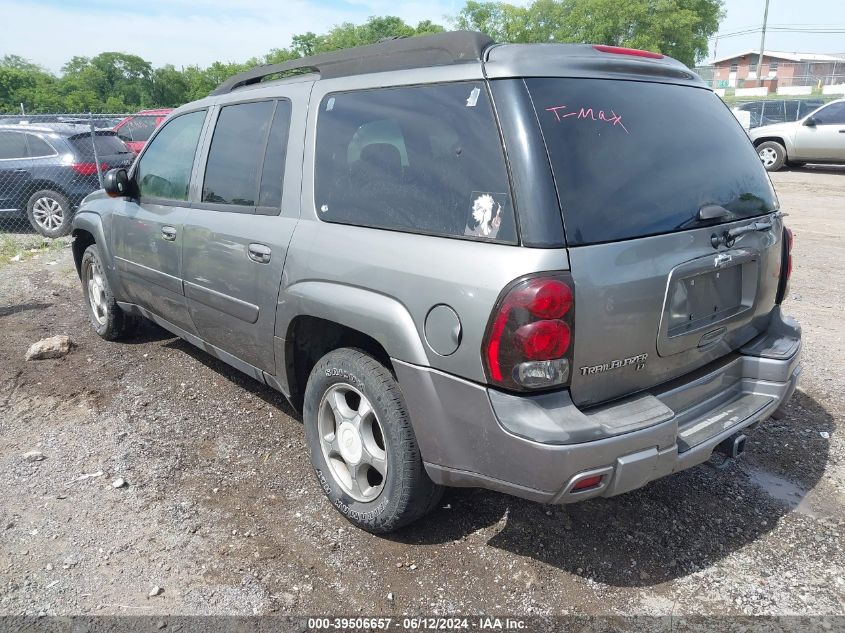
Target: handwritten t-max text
[562,112]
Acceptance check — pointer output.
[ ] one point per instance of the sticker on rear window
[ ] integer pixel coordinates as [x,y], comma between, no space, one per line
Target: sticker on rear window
[472,99]
[486,211]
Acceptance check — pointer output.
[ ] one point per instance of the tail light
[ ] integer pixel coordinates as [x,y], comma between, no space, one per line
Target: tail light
[619,50]
[528,343]
[786,265]
[88,169]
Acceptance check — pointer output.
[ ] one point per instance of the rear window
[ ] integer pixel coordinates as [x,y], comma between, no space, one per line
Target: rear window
[420,159]
[632,159]
[107,145]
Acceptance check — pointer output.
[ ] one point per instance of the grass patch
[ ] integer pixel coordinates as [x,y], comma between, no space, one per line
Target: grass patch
[22,247]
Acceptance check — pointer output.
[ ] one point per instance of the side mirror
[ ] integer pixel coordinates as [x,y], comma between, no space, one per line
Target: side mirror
[116,183]
[810,122]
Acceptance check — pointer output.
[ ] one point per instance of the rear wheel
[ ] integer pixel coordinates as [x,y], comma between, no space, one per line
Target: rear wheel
[49,213]
[362,445]
[772,154]
[108,320]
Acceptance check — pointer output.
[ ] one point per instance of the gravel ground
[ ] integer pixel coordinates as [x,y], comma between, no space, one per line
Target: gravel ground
[221,511]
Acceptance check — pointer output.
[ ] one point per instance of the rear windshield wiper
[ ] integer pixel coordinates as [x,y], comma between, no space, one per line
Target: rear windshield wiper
[729,237]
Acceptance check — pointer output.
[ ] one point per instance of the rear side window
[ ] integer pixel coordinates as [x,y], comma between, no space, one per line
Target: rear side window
[12,145]
[273,172]
[107,145]
[632,159]
[164,169]
[791,110]
[421,159]
[233,168]
[774,112]
[138,128]
[38,147]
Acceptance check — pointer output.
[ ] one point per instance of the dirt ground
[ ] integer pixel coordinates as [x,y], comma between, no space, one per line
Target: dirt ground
[223,513]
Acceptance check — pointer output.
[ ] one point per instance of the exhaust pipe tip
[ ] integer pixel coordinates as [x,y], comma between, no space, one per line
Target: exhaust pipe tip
[734,446]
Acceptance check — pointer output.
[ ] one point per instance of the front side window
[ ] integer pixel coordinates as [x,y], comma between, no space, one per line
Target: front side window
[234,163]
[12,145]
[420,159]
[834,114]
[164,170]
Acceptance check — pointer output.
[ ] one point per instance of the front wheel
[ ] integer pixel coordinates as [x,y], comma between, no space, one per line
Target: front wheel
[772,154]
[49,213]
[108,320]
[362,445]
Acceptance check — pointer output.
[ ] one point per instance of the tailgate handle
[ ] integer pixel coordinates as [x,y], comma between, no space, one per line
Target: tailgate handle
[712,337]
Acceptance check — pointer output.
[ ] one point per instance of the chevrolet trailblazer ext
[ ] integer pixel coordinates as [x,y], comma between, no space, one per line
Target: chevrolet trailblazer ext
[550,270]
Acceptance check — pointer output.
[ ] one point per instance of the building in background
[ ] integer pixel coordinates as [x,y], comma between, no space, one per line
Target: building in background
[779,69]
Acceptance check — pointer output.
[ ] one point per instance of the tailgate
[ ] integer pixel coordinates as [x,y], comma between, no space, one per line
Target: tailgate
[653,309]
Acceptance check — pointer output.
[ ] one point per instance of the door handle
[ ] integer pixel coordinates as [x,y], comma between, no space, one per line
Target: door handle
[259,253]
[168,233]
[842,131]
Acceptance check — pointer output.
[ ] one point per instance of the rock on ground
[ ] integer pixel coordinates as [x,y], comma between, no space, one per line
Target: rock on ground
[53,347]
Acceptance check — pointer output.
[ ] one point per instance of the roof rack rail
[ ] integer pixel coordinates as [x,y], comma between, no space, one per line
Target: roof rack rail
[404,53]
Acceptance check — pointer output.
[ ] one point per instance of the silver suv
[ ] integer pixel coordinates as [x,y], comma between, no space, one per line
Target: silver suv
[818,137]
[550,270]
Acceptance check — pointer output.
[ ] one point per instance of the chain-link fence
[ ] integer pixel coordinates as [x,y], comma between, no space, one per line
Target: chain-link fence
[50,162]
[806,78]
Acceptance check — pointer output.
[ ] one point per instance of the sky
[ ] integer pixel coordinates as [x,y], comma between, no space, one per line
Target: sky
[187,32]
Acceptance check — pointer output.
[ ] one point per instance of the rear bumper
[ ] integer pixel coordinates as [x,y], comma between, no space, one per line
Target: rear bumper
[537,447]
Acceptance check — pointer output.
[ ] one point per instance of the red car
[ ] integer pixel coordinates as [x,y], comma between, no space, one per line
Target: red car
[136,129]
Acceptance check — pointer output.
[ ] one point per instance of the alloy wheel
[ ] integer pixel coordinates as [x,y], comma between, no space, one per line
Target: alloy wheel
[352,442]
[768,156]
[97,292]
[48,213]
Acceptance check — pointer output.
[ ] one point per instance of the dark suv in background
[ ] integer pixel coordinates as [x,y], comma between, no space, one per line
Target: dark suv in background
[770,111]
[46,171]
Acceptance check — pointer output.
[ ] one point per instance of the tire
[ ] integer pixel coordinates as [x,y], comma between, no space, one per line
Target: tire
[391,488]
[106,317]
[772,154]
[49,213]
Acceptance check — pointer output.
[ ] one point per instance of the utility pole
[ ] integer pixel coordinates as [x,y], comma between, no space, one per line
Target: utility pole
[762,45]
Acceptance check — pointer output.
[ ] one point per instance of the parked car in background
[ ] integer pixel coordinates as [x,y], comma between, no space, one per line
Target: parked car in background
[597,309]
[46,171]
[135,130]
[818,137]
[770,111]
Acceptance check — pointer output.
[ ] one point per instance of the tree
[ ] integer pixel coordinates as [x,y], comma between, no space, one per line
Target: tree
[678,28]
